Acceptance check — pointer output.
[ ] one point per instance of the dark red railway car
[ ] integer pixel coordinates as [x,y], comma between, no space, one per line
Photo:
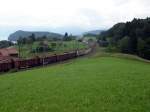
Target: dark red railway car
[66,56]
[81,52]
[32,62]
[62,57]
[49,59]
[5,66]
[27,63]
[19,64]
[6,63]
[72,55]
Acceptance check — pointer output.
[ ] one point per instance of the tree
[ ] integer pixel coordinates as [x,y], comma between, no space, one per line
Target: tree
[32,37]
[141,47]
[19,43]
[44,37]
[133,30]
[30,40]
[43,47]
[53,45]
[123,44]
[66,37]
[5,43]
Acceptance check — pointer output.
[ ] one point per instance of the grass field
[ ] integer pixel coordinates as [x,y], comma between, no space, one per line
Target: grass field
[90,84]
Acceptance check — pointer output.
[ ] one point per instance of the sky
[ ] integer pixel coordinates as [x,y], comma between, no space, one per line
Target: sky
[73,16]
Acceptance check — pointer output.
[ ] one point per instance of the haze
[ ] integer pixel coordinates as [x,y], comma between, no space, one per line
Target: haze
[73,16]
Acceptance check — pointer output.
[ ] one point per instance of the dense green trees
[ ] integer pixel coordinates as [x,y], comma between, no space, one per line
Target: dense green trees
[32,37]
[123,44]
[130,37]
[141,47]
[5,43]
[68,37]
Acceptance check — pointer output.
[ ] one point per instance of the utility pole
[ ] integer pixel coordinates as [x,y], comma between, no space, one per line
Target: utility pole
[19,49]
[19,46]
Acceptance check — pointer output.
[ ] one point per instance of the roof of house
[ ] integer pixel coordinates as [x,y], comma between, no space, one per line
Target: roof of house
[6,59]
[8,51]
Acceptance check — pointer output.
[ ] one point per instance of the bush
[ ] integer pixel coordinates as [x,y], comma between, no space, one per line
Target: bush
[144,48]
[42,49]
[53,45]
[111,48]
[123,44]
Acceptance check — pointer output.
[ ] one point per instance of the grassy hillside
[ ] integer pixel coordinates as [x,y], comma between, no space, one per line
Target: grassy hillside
[94,84]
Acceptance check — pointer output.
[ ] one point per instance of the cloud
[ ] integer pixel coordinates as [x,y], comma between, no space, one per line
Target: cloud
[78,14]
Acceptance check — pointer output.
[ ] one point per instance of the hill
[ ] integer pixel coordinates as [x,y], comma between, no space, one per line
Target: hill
[93,32]
[88,84]
[130,37]
[24,34]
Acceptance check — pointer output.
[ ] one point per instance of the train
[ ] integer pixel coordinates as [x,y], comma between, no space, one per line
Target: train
[9,63]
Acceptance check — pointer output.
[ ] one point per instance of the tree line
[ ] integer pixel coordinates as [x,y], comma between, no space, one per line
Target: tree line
[5,43]
[130,37]
[32,38]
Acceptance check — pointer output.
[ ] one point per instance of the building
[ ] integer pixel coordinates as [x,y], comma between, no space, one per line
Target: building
[11,51]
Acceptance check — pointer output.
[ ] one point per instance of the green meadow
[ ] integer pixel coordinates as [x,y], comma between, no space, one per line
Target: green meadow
[89,84]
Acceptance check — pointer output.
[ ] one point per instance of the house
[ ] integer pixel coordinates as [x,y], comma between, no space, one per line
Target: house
[11,51]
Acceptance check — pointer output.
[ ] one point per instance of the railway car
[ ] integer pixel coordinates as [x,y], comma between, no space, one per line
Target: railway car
[81,52]
[61,57]
[49,59]
[20,64]
[72,55]
[33,62]
[6,64]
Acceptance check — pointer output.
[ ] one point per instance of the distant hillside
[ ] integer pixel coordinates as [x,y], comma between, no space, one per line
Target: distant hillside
[24,34]
[130,37]
[93,32]
[115,32]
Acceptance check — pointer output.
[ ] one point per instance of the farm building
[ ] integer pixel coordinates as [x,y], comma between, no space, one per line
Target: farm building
[5,52]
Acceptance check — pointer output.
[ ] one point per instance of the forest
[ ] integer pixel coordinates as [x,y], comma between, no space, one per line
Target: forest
[130,37]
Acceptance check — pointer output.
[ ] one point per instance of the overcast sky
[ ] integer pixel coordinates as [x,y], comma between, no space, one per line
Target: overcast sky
[74,16]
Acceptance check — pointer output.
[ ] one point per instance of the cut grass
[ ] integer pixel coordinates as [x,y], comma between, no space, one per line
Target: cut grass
[101,52]
[99,84]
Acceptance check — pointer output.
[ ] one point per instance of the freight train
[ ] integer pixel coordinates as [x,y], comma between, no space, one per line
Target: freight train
[8,63]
